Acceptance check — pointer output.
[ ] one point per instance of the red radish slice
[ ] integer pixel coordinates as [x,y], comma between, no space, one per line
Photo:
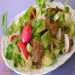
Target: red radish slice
[22,47]
[26,33]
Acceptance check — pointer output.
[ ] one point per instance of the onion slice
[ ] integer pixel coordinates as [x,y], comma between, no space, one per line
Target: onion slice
[59,34]
[66,42]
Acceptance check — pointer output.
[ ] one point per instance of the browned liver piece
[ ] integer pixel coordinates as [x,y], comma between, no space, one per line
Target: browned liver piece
[37,53]
[52,26]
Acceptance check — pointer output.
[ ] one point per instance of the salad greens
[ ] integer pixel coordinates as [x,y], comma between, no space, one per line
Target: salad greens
[36,24]
[13,53]
[9,53]
[39,26]
[48,58]
[12,29]
[46,39]
[41,4]
[29,48]
[42,27]
[61,19]
[15,26]
[38,40]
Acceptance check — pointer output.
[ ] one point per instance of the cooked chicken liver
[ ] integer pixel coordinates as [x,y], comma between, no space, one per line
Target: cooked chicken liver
[54,10]
[52,26]
[37,52]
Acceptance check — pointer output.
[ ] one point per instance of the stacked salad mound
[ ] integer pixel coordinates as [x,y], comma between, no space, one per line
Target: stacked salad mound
[39,36]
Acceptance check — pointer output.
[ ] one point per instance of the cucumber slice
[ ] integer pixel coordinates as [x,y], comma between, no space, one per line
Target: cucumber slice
[46,39]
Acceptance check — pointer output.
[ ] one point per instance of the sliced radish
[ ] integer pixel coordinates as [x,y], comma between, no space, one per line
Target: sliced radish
[26,33]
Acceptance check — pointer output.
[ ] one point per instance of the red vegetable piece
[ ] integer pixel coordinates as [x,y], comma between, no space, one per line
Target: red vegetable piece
[26,33]
[22,47]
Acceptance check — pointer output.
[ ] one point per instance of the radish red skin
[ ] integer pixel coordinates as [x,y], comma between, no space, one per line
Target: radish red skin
[26,33]
[22,47]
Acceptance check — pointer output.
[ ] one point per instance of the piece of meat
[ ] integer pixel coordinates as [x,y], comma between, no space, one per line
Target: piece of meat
[54,10]
[32,13]
[37,53]
[13,37]
[52,26]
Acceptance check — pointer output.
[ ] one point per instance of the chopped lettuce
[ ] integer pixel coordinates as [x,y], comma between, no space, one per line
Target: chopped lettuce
[36,24]
[26,16]
[48,59]
[56,51]
[18,60]
[13,53]
[9,53]
[61,19]
[29,48]
[13,28]
[46,39]
[42,27]
[41,4]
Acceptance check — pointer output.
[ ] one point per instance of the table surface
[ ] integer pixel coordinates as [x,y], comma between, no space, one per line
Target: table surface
[13,7]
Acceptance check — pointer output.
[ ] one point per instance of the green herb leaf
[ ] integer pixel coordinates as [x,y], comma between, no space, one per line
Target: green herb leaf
[4,23]
[46,39]
[61,19]
[42,27]
[36,24]
[26,16]
[41,4]
[9,53]
[12,49]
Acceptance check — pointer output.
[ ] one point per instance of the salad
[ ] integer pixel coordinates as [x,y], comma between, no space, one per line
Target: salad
[39,36]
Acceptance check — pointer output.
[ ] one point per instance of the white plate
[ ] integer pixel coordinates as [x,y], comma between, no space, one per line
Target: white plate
[60,60]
